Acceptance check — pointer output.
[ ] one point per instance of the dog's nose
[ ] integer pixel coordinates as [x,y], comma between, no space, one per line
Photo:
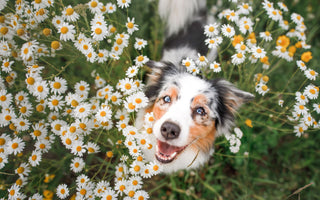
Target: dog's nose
[170,130]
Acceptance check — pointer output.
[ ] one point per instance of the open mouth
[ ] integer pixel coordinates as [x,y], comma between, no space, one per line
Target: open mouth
[166,153]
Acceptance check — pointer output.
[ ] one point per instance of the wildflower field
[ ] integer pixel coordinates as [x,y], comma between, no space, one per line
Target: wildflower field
[71,82]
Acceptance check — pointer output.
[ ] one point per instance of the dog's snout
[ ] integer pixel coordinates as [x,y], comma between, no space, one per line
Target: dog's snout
[170,130]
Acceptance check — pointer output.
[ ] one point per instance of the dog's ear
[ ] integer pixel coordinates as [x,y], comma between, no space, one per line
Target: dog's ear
[156,78]
[229,100]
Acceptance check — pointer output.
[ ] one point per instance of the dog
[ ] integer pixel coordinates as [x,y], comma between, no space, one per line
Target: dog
[189,111]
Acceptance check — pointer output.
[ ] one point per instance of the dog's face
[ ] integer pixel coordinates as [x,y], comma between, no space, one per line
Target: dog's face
[189,112]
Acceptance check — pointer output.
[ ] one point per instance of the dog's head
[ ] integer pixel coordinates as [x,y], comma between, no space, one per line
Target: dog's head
[189,112]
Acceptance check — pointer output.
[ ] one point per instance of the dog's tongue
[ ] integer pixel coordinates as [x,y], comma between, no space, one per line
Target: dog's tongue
[167,149]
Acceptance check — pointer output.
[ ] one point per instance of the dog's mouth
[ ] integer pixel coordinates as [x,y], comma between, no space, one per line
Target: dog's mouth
[166,153]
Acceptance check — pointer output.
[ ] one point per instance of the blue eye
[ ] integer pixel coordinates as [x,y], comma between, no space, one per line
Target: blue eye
[200,111]
[167,99]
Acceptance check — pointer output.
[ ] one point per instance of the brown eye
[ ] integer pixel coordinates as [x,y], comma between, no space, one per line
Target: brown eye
[200,111]
[166,99]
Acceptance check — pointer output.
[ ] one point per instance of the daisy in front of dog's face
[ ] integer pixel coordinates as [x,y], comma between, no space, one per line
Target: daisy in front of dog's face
[189,113]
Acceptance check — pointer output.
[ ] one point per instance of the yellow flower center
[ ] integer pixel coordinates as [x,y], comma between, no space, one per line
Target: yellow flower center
[98,31]
[130,25]
[69,11]
[55,45]
[56,85]
[94,4]
[64,30]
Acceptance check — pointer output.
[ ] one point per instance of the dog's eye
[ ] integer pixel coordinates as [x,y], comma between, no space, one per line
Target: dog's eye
[166,99]
[201,111]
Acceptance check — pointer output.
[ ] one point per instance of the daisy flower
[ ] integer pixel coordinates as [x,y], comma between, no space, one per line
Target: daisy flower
[134,151]
[99,32]
[82,88]
[68,139]
[95,6]
[109,194]
[25,109]
[103,114]
[300,109]
[308,119]
[245,25]
[311,74]
[3,160]
[130,105]
[241,48]
[302,66]
[296,18]
[127,86]
[299,129]
[267,5]
[111,8]
[62,191]
[275,14]
[6,117]
[6,65]
[131,26]
[15,146]
[227,30]
[213,42]
[21,124]
[40,89]
[141,60]
[91,56]
[136,167]
[21,97]
[92,147]
[232,15]
[244,8]
[311,91]
[238,58]
[211,30]
[123,3]
[55,102]
[83,110]
[78,148]
[69,14]
[215,67]
[132,71]
[23,170]
[102,55]
[42,145]
[77,164]
[57,21]
[14,192]
[5,99]
[67,31]
[266,36]
[35,158]
[280,102]
[115,98]
[301,98]
[201,61]
[188,63]
[122,124]
[141,195]
[262,89]
[135,182]
[316,107]
[140,43]
[258,52]
[283,6]
[58,85]
[284,24]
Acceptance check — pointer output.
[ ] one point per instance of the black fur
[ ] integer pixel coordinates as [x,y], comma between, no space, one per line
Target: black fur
[192,36]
